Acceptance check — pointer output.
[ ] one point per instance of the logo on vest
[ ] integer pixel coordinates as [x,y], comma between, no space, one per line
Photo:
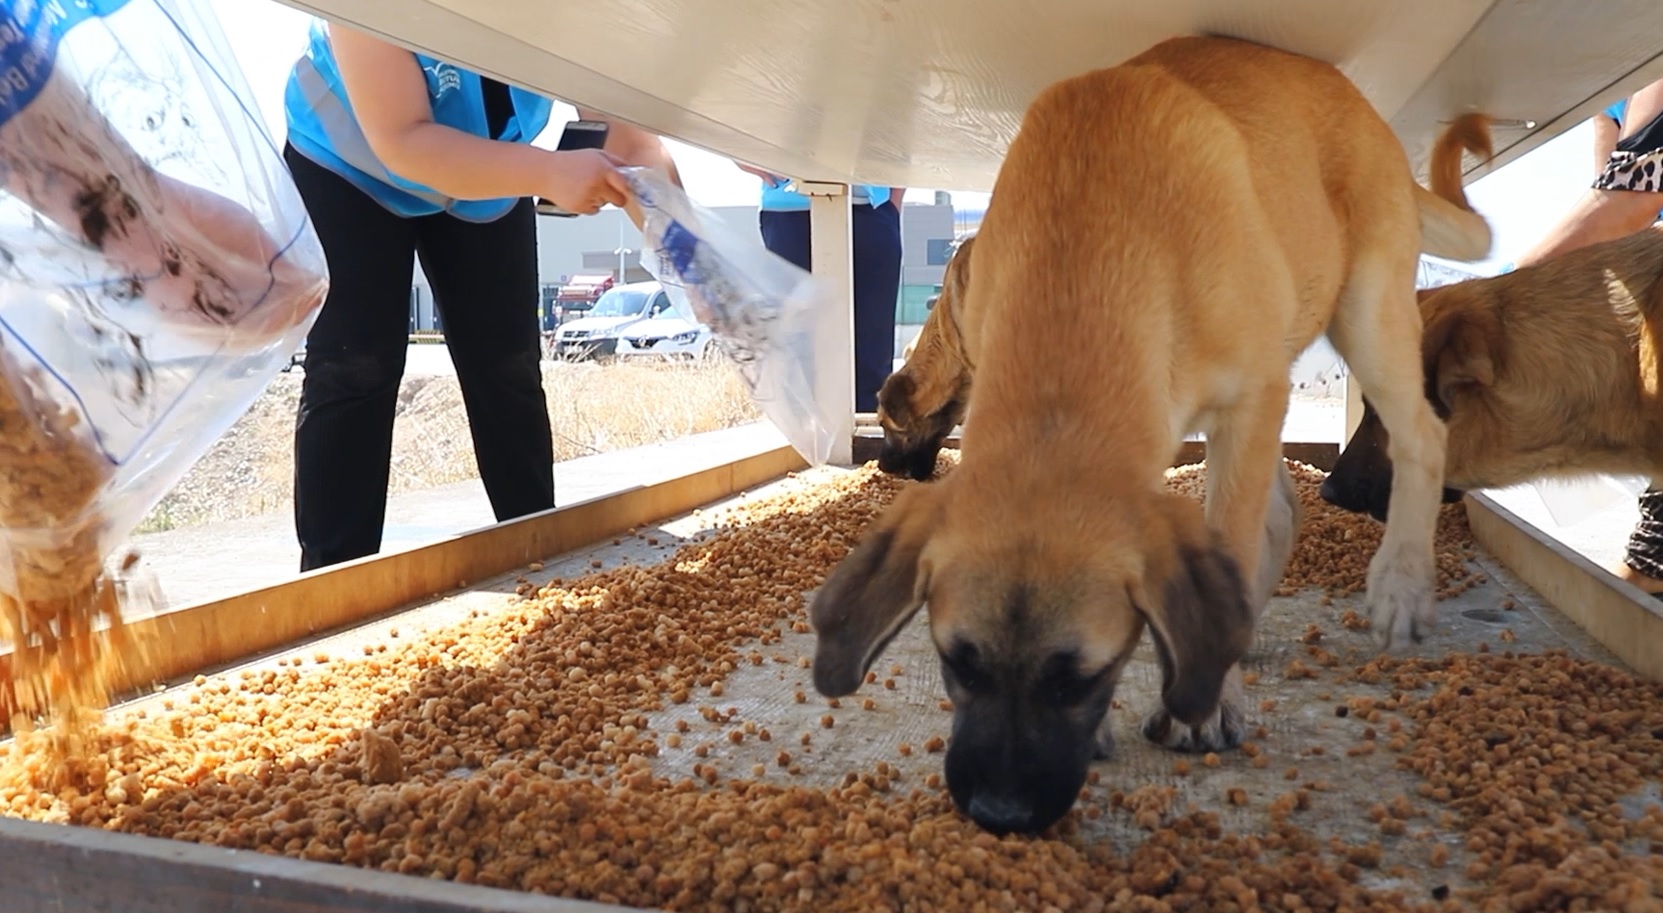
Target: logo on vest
[445,77]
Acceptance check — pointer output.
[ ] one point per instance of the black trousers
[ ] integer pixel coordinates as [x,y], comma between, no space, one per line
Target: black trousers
[876,236]
[484,280]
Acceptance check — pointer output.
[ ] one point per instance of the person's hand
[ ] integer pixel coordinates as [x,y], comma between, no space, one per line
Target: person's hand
[216,274]
[768,177]
[584,180]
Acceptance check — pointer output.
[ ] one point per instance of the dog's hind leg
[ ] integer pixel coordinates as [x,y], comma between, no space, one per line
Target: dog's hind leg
[1377,330]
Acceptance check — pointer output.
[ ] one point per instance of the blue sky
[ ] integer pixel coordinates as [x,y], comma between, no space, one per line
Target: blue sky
[1521,201]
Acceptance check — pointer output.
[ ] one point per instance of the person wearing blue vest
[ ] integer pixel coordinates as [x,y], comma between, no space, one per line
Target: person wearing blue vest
[1626,197]
[400,155]
[876,239]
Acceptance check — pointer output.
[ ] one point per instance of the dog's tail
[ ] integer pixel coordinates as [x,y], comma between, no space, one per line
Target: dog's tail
[1449,226]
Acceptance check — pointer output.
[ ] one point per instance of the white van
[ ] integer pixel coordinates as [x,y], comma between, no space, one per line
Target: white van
[595,334]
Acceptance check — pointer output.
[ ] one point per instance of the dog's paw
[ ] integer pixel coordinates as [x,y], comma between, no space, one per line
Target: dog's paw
[1224,730]
[1104,749]
[1401,608]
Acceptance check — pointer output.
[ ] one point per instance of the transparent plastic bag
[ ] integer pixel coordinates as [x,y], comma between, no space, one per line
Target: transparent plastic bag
[157,269]
[762,308]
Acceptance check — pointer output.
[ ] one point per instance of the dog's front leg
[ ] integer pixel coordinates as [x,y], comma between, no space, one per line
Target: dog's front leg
[1251,503]
[1251,500]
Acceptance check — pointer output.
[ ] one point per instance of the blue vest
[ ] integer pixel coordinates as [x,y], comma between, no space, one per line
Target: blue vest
[323,128]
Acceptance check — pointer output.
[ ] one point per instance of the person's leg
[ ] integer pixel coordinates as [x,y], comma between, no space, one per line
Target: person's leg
[484,277]
[787,235]
[354,361]
[877,253]
[1642,564]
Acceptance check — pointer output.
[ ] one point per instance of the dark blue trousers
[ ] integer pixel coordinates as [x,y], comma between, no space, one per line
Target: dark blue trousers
[876,236]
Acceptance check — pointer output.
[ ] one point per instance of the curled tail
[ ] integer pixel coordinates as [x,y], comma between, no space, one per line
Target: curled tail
[1449,226]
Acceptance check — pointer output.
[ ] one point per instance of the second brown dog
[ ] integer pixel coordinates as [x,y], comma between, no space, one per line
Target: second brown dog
[1549,371]
[919,405]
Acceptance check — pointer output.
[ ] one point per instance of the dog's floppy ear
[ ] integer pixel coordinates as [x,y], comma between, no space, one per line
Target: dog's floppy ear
[1456,353]
[1196,603]
[874,591]
[895,398]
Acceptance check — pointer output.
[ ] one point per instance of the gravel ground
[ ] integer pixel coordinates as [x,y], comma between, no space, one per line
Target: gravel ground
[593,408]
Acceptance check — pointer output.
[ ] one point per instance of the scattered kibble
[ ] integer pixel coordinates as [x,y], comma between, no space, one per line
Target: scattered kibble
[521,773]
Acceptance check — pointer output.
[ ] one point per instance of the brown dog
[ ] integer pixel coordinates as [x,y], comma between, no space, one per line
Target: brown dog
[1552,370]
[919,405]
[1163,239]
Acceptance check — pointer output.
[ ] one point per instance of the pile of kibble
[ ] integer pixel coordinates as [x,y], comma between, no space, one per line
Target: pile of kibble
[1335,546]
[515,751]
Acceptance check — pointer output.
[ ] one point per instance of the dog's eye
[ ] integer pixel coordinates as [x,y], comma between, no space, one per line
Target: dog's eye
[1063,685]
[963,667]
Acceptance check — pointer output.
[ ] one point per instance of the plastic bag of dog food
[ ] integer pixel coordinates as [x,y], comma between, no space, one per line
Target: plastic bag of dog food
[157,268]
[762,308]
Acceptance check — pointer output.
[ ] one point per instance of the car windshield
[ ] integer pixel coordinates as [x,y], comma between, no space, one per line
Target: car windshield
[620,302]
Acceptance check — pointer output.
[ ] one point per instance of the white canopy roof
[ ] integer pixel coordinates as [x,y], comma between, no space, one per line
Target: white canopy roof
[928,93]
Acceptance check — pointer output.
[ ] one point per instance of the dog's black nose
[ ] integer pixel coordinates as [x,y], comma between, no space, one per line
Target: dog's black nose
[1001,814]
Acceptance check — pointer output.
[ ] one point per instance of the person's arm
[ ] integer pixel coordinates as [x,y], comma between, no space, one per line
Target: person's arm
[201,261]
[1606,132]
[389,97]
[895,195]
[768,177]
[1597,216]
[1605,215]
[1643,108]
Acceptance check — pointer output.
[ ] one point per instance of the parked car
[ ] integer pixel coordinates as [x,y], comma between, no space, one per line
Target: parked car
[579,294]
[595,335]
[669,335]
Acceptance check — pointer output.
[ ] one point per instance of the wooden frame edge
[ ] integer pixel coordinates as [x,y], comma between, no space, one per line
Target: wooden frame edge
[1619,615]
[48,868]
[205,635]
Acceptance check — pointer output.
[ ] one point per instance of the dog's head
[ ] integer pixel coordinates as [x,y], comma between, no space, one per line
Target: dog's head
[913,438]
[1361,481]
[1459,366]
[921,404]
[1033,625]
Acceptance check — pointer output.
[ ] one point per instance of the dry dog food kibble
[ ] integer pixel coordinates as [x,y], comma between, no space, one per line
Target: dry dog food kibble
[521,751]
[1335,546]
[54,590]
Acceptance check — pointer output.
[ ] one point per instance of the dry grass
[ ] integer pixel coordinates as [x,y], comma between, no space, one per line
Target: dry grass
[593,408]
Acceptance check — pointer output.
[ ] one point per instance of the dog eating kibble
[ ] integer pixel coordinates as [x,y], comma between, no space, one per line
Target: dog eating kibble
[1237,202]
